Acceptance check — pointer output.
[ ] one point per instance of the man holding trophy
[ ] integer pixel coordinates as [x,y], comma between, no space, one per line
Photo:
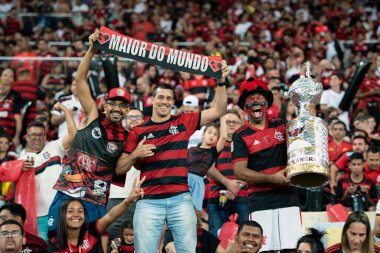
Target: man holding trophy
[272,165]
[259,156]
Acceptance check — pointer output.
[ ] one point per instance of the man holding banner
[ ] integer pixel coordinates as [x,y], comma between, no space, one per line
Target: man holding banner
[159,149]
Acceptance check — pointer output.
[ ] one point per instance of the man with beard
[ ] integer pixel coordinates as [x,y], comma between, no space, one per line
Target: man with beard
[89,165]
[259,158]
[249,238]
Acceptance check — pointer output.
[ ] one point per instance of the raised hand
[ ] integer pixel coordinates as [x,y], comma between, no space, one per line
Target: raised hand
[136,192]
[225,72]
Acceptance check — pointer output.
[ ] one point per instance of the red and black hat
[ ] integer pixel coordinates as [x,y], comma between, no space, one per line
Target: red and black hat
[251,86]
[119,94]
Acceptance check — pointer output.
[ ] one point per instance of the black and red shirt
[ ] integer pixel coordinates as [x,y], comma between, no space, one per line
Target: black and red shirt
[88,166]
[337,248]
[166,171]
[265,152]
[9,107]
[34,244]
[199,160]
[91,242]
[224,165]
[345,181]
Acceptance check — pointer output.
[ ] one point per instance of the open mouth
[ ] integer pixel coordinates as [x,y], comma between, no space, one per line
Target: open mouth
[257,112]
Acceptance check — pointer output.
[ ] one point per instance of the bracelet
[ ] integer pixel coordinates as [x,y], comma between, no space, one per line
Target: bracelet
[221,84]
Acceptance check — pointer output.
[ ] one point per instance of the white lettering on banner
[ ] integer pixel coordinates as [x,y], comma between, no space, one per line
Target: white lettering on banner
[187,59]
[161,54]
[156,52]
[126,45]
[114,42]
[172,56]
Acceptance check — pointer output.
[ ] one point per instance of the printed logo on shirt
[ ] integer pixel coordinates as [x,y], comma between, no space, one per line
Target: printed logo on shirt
[96,133]
[150,136]
[86,162]
[279,136]
[27,250]
[256,142]
[6,105]
[111,147]
[173,130]
[46,155]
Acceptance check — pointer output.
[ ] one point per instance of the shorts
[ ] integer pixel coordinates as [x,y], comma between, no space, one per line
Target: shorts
[197,190]
[281,227]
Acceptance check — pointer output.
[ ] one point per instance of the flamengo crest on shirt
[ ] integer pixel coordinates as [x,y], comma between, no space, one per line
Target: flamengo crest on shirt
[118,44]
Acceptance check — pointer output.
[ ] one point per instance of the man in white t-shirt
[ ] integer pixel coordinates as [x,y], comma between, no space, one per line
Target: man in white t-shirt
[45,159]
[333,96]
[73,104]
[134,118]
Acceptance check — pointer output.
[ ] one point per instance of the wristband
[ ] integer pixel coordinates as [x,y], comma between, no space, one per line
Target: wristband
[221,84]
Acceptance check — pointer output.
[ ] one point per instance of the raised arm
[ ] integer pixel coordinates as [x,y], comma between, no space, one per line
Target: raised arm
[84,94]
[223,134]
[220,107]
[118,210]
[72,129]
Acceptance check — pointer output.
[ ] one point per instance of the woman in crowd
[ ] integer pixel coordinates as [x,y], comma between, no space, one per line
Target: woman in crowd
[311,243]
[356,236]
[74,234]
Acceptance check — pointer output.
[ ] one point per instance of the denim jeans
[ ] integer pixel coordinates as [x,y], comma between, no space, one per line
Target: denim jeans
[217,215]
[150,216]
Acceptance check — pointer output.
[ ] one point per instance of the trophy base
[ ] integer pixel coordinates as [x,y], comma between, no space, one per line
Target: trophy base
[308,175]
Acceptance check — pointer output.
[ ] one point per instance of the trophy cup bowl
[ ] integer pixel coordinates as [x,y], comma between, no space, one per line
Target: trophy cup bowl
[307,137]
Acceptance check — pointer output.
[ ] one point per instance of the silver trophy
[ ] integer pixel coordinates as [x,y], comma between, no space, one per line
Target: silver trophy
[307,136]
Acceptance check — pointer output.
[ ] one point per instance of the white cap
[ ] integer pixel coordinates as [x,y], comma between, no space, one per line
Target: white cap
[191,100]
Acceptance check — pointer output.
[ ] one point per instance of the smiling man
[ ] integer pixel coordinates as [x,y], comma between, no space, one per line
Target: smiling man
[249,238]
[259,158]
[89,164]
[159,149]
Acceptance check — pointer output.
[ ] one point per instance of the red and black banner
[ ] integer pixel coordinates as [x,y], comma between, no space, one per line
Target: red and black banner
[115,43]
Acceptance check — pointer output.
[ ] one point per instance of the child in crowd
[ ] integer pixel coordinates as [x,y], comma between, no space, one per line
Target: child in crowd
[200,159]
[124,244]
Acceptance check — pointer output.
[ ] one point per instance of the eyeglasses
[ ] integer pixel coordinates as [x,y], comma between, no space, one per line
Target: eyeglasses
[12,234]
[34,135]
[114,104]
[135,117]
[232,122]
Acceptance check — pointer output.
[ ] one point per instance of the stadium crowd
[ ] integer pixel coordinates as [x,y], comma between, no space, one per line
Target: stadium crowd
[86,144]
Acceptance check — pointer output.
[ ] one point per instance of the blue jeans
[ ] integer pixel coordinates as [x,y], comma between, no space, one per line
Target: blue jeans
[217,215]
[179,214]
[197,190]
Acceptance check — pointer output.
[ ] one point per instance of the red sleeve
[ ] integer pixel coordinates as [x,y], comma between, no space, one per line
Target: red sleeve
[131,143]
[192,121]
[341,162]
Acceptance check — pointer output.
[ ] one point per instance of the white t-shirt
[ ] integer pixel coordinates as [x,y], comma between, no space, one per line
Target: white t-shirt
[70,102]
[117,192]
[197,138]
[48,167]
[332,99]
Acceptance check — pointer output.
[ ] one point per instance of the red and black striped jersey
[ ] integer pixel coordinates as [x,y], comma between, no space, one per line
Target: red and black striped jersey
[9,107]
[166,171]
[265,152]
[345,181]
[224,165]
